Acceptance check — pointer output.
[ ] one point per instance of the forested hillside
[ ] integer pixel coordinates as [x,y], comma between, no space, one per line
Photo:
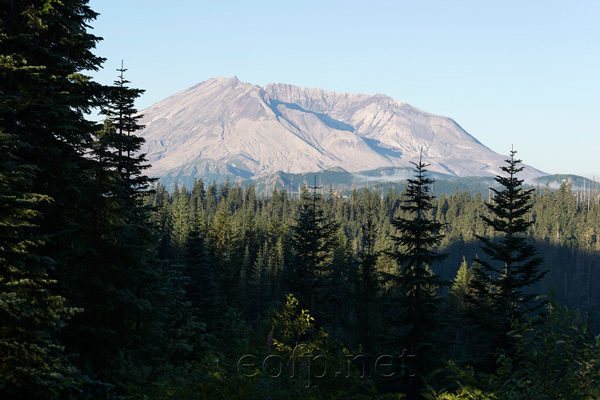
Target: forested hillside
[111,287]
[564,230]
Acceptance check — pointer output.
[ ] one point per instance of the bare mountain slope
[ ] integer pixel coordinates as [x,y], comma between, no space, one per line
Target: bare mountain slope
[224,126]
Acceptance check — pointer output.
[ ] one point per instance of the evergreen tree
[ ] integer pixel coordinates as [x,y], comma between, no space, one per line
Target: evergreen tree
[128,300]
[161,219]
[125,121]
[45,137]
[367,282]
[416,311]
[198,196]
[501,284]
[181,221]
[112,263]
[342,263]
[312,244]
[204,292]
[33,363]
[461,286]
[278,259]
[460,329]
[211,199]
[224,242]
[260,282]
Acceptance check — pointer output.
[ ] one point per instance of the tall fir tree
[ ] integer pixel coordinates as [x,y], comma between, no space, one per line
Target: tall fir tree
[501,284]
[313,241]
[461,286]
[33,363]
[198,196]
[415,311]
[461,329]
[225,246]
[181,223]
[367,283]
[103,279]
[259,282]
[44,97]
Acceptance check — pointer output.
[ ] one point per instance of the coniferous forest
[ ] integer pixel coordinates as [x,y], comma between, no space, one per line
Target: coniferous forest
[111,287]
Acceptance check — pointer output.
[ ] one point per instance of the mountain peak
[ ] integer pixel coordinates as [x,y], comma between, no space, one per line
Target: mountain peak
[222,79]
[238,128]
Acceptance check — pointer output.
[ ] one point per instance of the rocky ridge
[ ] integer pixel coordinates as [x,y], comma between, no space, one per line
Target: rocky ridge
[227,127]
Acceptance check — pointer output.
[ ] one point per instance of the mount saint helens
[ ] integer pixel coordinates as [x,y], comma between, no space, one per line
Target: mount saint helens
[224,127]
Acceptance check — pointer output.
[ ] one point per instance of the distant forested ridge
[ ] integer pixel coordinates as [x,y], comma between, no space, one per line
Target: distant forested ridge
[113,287]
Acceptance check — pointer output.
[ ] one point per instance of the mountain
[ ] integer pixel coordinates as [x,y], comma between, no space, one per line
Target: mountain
[224,127]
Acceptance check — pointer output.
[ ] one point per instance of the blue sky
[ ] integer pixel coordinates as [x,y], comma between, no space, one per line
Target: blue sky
[522,73]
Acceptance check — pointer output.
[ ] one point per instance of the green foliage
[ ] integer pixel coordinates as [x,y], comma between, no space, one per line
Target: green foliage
[292,326]
[557,357]
[181,224]
[313,241]
[145,290]
[499,285]
[367,285]
[263,236]
[415,321]
[461,286]
[32,361]
[297,356]
[43,95]
[262,225]
[310,359]
[519,263]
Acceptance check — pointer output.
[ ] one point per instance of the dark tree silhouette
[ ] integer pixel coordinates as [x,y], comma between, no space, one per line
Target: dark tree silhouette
[499,285]
[416,309]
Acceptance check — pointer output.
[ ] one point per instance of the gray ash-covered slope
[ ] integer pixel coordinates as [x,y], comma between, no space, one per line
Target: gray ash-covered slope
[224,127]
